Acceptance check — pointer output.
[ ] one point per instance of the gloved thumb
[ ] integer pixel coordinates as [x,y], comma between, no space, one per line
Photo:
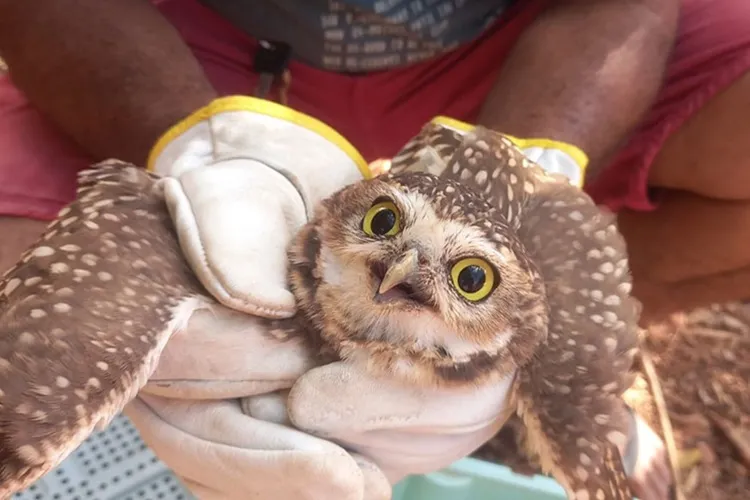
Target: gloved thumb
[234,221]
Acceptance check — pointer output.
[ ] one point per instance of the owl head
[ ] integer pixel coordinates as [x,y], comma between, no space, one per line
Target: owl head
[422,277]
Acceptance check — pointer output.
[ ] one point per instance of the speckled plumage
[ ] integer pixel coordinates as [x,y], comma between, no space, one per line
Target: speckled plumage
[83,317]
[568,396]
[113,261]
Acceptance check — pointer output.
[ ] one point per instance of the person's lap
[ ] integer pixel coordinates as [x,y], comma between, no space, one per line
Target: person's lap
[378,112]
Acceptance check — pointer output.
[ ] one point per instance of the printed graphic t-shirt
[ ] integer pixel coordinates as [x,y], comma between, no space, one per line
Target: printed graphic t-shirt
[363,35]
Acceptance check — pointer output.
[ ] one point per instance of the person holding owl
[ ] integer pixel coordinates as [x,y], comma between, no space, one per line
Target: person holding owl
[640,102]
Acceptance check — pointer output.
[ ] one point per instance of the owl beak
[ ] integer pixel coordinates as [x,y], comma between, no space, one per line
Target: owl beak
[400,271]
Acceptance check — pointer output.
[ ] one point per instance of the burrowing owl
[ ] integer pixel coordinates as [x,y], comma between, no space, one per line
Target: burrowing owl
[467,263]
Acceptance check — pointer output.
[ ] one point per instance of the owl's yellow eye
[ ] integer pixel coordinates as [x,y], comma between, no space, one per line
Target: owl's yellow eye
[473,278]
[382,219]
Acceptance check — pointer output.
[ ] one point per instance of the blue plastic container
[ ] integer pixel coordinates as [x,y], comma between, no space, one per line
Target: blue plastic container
[115,464]
[471,479]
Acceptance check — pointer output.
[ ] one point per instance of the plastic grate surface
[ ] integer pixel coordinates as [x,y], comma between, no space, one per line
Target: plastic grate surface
[113,464]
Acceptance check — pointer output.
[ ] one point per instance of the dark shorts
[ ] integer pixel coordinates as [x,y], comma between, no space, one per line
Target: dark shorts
[379,112]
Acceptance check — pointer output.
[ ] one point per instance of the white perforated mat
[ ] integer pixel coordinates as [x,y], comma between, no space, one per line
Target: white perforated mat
[114,464]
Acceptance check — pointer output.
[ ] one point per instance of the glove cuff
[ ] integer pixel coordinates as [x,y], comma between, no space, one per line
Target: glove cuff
[554,156]
[236,127]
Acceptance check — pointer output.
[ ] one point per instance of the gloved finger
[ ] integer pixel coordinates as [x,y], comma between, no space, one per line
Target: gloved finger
[402,453]
[272,408]
[404,430]
[234,221]
[201,491]
[376,484]
[340,395]
[226,354]
[376,487]
[213,444]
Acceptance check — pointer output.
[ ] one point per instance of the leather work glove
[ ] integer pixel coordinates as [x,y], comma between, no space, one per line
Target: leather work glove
[244,175]
[554,156]
[215,411]
[190,415]
[403,429]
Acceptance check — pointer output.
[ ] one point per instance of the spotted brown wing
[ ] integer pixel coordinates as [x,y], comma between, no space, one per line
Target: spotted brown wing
[428,151]
[569,395]
[84,316]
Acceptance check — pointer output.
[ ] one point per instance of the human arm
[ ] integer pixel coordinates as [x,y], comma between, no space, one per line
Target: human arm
[117,78]
[584,73]
[118,63]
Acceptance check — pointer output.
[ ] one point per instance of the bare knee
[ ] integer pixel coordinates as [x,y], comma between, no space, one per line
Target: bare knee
[687,237]
[690,252]
[708,155]
[17,235]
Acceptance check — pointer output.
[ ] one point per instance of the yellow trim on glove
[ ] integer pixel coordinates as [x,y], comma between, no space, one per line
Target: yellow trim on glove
[573,151]
[449,122]
[263,107]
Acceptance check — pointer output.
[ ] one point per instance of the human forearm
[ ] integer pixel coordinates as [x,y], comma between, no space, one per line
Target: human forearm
[113,75]
[584,73]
